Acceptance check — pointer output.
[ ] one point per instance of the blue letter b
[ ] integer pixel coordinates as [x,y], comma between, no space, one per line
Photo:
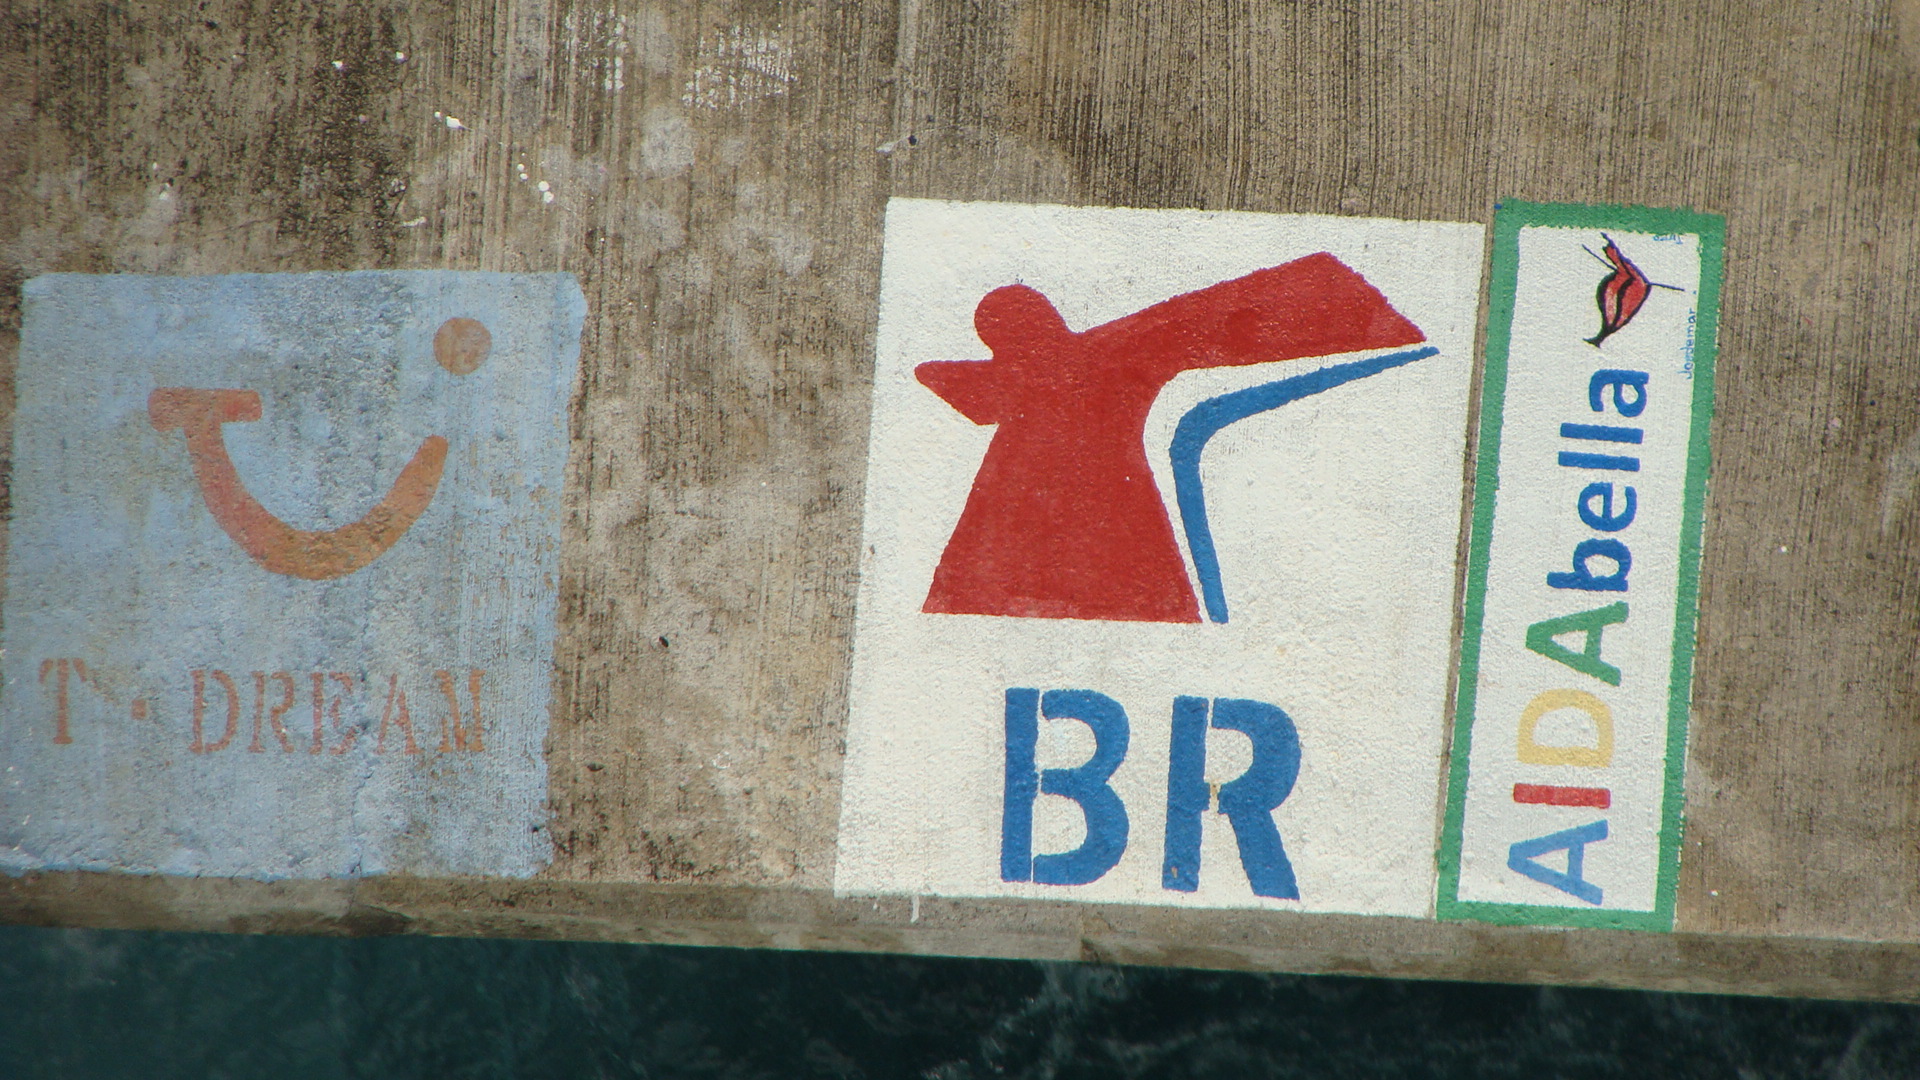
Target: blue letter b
[1085,784]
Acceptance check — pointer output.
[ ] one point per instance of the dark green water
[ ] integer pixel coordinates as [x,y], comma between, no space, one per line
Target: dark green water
[80,1004]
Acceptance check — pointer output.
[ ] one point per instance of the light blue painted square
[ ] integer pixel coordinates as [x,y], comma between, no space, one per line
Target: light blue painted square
[115,561]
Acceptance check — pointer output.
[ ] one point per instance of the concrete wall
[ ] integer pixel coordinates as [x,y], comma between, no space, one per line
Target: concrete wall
[715,177]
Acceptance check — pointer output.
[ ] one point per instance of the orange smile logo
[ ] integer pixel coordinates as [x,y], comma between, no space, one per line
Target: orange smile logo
[273,543]
[459,347]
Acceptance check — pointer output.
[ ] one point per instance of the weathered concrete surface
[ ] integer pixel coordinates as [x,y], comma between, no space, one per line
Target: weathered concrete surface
[717,175]
[784,918]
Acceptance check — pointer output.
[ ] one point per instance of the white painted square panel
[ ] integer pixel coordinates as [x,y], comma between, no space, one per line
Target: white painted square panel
[1155,604]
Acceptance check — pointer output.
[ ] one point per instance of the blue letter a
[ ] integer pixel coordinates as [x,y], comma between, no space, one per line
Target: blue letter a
[1085,784]
[1521,856]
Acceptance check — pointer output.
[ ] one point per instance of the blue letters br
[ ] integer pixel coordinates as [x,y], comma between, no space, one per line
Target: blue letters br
[1247,802]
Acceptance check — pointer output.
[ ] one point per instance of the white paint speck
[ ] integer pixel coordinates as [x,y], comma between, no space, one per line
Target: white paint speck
[915,916]
[1783,549]
[739,66]
[546,197]
[602,37]
[399,58]
[544,186]
[453,123]
[415,223]
[339,65]
[1903,475]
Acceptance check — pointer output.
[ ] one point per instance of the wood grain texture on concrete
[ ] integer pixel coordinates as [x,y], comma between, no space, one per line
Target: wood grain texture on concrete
[715,175]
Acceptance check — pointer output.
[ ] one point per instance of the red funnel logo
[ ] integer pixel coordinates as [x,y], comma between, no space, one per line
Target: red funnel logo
[1064,520]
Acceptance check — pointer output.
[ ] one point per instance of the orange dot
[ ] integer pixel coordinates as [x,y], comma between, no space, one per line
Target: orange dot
[460,345]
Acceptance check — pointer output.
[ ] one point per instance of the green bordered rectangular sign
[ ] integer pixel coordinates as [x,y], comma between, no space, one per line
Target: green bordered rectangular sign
[1576,662]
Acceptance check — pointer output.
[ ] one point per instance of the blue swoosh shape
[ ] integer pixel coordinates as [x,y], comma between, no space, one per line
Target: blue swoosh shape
[1204,421]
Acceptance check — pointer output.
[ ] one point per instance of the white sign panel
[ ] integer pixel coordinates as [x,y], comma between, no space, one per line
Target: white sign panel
[1578,635]
[1159,557]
